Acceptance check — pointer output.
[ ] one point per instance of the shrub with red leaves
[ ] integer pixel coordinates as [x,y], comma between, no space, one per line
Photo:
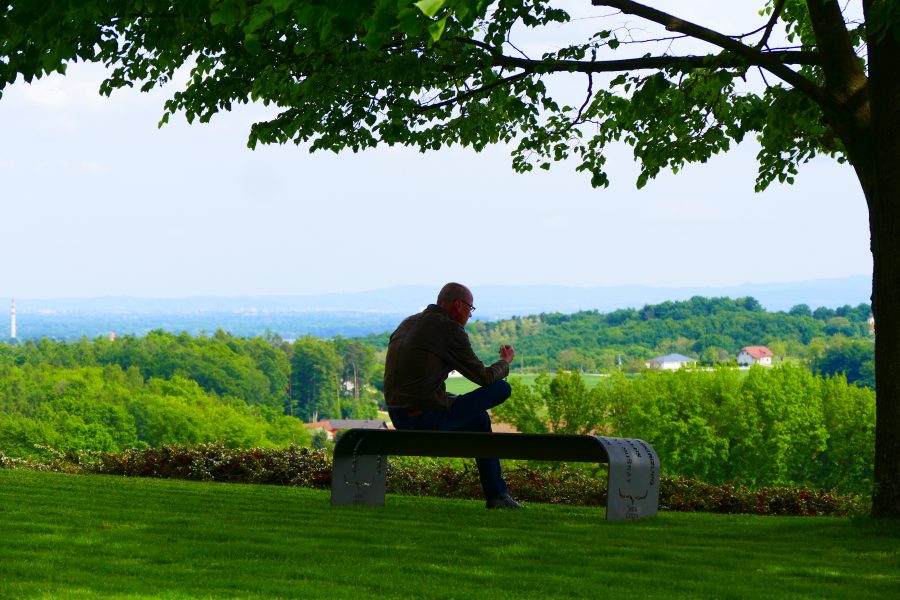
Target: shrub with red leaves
[557,484]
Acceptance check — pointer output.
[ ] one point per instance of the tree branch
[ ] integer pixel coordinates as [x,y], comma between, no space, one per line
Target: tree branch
[652,62]
[752,56]
[840,64]
[477,91]
[776,12]
[587,98]
[787,57]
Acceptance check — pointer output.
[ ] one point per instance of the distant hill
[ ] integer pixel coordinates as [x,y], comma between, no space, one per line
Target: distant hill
[375,311]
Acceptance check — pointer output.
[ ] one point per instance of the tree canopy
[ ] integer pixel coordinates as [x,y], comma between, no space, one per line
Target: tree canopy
[718,426]
[803,77]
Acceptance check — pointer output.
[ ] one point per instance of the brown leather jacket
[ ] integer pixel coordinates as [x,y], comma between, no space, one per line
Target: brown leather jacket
[422,352]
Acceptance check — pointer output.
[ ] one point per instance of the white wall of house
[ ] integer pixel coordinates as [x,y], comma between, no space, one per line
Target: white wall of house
[665,365]
[744,359]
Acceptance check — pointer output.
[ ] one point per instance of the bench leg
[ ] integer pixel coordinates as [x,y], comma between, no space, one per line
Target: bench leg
[633,489]
[358,479]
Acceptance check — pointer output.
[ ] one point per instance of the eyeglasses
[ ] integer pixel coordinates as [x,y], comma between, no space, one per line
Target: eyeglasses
[471,308]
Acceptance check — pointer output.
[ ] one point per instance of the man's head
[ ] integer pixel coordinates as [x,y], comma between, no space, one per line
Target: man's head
[457,300]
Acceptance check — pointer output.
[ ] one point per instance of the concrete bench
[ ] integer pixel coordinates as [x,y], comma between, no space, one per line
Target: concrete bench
[359,471]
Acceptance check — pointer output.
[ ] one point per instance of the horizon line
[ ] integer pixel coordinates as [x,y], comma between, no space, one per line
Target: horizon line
[125,296]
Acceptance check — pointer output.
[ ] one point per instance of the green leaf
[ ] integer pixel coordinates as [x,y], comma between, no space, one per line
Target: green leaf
[258,19]
[226,14]
[642,179]
[436,29]
[430,7]
[280,6]
[251,43]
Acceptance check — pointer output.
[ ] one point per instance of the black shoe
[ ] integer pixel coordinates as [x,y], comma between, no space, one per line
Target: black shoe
[504,501]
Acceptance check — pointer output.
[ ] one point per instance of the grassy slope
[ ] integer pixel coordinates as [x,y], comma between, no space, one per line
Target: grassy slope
[69,536]
[461,385]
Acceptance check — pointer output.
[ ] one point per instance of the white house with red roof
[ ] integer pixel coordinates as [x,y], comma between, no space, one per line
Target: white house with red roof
[670,362]
[755,355]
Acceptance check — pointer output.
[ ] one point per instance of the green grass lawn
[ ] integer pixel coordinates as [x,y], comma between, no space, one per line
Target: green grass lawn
[461,385]
[80,536]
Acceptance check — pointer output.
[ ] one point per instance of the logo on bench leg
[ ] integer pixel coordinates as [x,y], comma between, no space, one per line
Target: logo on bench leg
[634,474]
[632,506]
[358,480]
[359,496]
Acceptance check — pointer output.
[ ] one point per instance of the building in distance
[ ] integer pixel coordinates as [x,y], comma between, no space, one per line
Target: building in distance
[754,355]
[670,362]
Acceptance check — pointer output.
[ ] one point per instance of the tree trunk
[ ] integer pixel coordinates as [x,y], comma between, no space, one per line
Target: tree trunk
[884,223]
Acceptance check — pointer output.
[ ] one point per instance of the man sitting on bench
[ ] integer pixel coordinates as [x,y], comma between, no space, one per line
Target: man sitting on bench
[422,352]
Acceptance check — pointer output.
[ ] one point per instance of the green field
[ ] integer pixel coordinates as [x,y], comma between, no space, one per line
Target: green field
[461,385]
[79,536]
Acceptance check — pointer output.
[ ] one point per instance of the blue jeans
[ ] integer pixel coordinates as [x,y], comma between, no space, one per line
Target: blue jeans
[468,413]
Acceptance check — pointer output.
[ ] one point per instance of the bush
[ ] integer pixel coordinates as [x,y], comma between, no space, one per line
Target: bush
[689,495]
[205,462]
[425,477]
[428,477]
[307,467]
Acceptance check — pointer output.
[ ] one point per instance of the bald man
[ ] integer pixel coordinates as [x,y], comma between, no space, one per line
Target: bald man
[422,352]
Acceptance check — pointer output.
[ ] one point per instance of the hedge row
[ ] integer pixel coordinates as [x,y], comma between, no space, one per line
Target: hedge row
[426,477]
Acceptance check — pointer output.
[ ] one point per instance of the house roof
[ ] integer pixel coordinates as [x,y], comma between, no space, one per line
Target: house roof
[757,352]
[338,424]
[673,358]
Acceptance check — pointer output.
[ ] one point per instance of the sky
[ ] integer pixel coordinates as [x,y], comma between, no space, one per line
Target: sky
[98,201]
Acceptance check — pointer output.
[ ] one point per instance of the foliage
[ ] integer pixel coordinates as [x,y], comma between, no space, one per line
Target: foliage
[682,494]
[854,359]
[174,389]
[111,395]
[355,74]
[304,467]
[329,379]
[215,461]
[562,404]
[775,427]
[250,369]
[714,329]
[360,367]
[430,74]
[164,388]
[315,379]
[108,409]
[573,486]
[258,370]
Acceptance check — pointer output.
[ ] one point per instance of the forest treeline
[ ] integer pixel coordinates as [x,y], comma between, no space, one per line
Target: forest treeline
[45,409]
[109,395]
[712,330]
[105,394]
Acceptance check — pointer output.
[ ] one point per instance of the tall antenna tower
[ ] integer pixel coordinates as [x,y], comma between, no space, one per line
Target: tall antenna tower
[12,320]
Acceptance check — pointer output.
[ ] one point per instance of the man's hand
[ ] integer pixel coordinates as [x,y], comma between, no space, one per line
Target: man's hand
[507,353]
